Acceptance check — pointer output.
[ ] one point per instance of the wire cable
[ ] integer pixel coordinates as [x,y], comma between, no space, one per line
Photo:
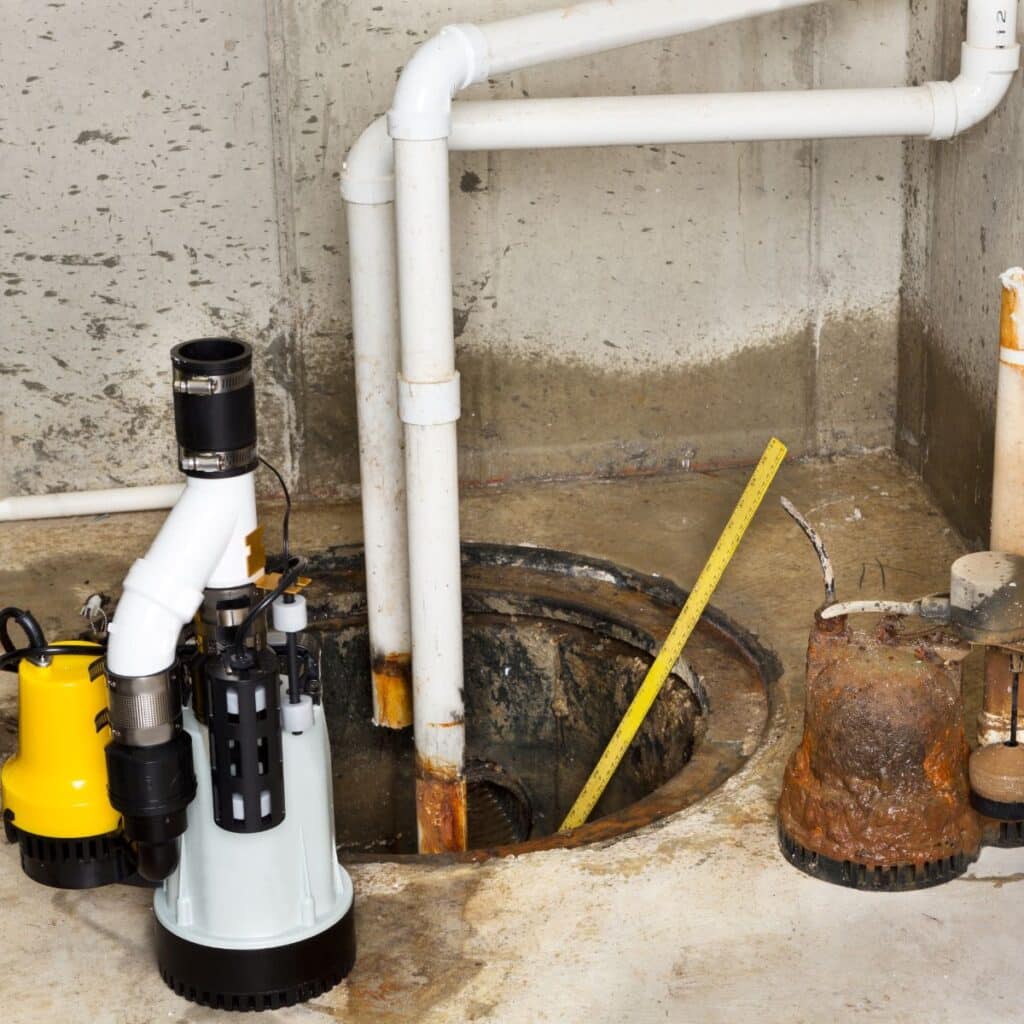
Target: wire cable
[29,626]
[9,661]
[288,577]
[287,509]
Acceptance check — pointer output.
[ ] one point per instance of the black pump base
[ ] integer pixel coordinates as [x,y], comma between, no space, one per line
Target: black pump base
[257,979]
[997,809]
[83,863]
[873,878]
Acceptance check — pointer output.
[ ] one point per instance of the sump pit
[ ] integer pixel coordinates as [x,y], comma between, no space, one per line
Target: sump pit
[555,647]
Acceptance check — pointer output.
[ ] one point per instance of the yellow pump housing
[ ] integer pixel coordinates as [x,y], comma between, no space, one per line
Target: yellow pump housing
[54,788]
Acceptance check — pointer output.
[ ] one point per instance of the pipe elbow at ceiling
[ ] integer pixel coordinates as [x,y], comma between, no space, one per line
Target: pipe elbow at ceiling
[454,59]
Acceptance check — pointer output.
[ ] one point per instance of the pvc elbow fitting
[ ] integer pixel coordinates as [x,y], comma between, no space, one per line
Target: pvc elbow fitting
[368,174]
[454,59]
[985,76]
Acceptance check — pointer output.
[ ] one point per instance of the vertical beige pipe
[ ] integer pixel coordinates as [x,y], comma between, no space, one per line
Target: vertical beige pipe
[1007,490]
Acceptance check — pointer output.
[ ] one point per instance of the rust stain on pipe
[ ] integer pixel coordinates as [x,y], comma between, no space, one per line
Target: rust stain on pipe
[440,807]
[392,690]
[1009,337]
[994,719]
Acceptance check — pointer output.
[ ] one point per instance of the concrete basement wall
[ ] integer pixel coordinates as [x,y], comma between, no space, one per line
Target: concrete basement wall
[172,169]
[963,229]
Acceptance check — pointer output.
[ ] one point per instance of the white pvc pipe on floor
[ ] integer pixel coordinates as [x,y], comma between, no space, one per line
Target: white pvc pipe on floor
[89,503]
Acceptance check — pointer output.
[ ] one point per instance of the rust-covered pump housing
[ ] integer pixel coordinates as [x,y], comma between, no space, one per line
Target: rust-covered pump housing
[883,793]
[876,796]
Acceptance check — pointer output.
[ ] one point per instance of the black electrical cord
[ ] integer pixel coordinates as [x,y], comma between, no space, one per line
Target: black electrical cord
[287,508]
[29,626]
[9,661]
[1014,692]
[288,577]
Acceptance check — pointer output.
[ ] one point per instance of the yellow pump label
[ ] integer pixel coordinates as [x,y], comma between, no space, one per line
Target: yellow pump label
[56,784]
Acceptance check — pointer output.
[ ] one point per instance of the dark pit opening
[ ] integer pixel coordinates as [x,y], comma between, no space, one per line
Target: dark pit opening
[555,648]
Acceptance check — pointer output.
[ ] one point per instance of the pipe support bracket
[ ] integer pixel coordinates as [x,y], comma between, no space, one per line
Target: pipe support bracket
[427,404]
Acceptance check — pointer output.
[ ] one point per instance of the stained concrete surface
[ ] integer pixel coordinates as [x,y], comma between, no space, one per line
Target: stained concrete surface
[171,170]
[962,230]
[696,919]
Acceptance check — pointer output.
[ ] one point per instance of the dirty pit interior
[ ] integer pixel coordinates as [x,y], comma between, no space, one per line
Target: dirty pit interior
[555,648]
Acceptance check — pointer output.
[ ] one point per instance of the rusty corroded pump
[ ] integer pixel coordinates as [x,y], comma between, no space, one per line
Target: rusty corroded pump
[876,796]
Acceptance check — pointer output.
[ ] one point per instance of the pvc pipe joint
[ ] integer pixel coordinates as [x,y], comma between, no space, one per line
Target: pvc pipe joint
[368,174]
[985,76]
[427,404]
[452,60]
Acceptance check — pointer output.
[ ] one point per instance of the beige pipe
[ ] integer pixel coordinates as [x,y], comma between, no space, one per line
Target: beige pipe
[1007,532]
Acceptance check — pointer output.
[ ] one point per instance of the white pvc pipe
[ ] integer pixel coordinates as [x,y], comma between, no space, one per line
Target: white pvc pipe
[709,117]
[371,233]
[580,29]
[428,405]
[89,503]
[202,543]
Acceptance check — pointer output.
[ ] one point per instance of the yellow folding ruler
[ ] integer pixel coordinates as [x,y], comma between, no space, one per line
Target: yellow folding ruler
[707,581]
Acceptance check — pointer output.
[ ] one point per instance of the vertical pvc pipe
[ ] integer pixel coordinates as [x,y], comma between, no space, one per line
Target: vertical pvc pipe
[1007,532]
[429,408]
[373,270]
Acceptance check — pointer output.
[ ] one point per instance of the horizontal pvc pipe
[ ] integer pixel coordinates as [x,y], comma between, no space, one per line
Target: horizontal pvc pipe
[580,29]
[460,55]
[711,117]
[89,503]
[933,110]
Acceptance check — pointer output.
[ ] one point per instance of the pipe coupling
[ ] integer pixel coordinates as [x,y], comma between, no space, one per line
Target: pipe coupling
[454,59]
[429,403]
[144,710]
[214,407]
[217,463]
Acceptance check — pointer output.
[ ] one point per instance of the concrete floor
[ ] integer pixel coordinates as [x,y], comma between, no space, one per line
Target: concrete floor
[696,919]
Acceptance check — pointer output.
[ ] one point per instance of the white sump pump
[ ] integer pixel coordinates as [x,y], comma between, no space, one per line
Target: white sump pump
[255,911]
